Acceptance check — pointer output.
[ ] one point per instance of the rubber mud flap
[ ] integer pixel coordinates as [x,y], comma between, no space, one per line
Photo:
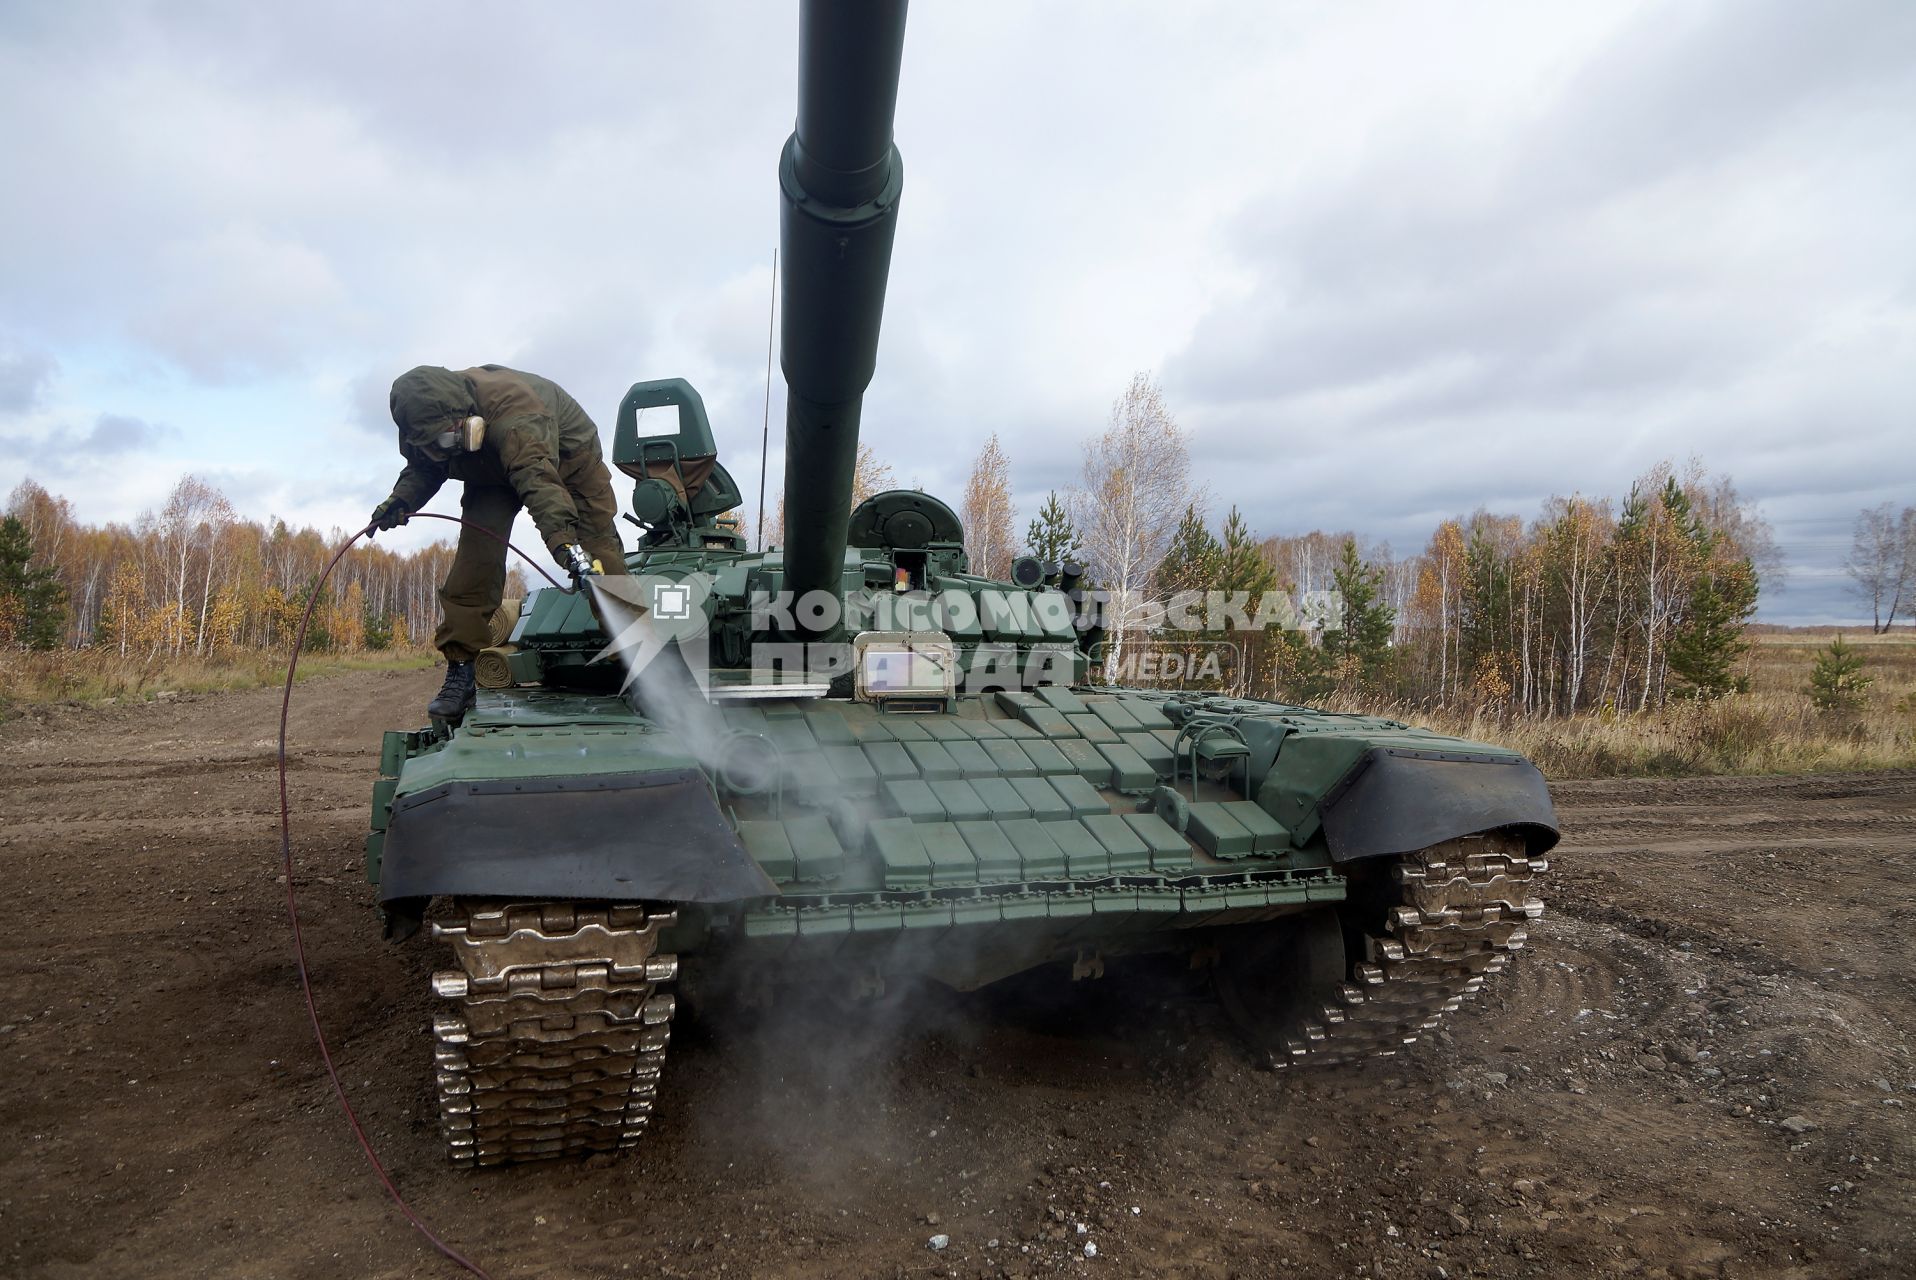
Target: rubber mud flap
[1395,800]
[656,835]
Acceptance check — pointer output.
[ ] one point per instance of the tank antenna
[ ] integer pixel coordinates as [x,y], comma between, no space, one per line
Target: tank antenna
[765,436]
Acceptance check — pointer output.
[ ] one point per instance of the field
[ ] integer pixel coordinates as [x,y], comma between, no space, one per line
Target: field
[90,677]
[1771,728]
[1701,1066]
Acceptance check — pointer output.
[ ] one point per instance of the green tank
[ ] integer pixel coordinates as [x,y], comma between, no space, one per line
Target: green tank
[851,762]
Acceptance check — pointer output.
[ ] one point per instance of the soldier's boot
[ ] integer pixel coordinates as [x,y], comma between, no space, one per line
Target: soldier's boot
[455,696]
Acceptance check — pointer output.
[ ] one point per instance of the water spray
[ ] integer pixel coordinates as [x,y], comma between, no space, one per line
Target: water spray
[659,683]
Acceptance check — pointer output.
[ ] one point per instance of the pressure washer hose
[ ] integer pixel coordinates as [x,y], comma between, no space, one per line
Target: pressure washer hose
[292,902]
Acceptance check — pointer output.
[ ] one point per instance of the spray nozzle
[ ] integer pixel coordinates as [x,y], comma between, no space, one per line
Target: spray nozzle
[578,562]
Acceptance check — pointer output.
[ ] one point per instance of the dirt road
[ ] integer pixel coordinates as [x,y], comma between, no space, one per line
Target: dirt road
[1701,1067]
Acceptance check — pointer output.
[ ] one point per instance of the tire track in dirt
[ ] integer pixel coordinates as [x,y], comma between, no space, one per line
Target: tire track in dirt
[1701,1066]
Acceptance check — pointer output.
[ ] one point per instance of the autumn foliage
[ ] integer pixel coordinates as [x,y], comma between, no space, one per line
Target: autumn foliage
[1595,606]
[194,578]
[1588,605]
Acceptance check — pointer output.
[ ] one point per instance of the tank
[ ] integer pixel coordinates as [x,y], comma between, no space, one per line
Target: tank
[852,763]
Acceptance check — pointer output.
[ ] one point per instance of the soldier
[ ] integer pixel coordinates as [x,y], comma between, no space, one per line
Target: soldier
[515,439]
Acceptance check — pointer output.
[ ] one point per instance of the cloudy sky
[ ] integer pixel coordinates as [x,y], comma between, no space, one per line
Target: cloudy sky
[1391,262]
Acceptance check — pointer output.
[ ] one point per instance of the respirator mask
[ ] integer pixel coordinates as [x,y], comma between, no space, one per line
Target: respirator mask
[464,436]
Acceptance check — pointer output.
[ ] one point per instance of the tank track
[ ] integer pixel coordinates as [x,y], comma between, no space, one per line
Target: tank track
[1462,910]
[561,1021]
[558,1031]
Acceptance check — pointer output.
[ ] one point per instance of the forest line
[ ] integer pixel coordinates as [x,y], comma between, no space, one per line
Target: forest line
[1609,601]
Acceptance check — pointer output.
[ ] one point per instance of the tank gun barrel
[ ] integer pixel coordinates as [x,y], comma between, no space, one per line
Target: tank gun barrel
[839,183]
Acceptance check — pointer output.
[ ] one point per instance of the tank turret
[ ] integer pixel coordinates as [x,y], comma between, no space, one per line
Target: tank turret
[839,181]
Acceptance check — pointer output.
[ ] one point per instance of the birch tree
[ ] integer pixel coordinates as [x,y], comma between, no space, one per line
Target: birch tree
[987,512]
[1439,599]
[214,535]
[1882,562]
[1135,487]
[1579,572]
[1654,565]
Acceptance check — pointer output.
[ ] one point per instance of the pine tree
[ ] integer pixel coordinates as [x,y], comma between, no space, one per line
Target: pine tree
[1241,563]
[1245,577]
[1359,645]
[318,638]
[1052,537]
[1487,617]
[376,629]
[1837,682]
[1706,632]
[1709,641]
[33,604]
[1194,559]
[1189,569]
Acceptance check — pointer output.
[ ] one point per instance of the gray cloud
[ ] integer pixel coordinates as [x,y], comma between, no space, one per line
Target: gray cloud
[369,399]
[1645,266]
[112,435]
[24,376]
[117,433]
[1682,89]
[1393,262]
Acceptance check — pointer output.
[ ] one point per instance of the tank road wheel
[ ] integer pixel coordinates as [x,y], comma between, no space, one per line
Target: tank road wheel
[1422,932]
[558,1028]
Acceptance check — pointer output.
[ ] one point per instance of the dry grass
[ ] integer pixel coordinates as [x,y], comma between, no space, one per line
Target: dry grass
[100,675]
[1771,729]
[1745,733]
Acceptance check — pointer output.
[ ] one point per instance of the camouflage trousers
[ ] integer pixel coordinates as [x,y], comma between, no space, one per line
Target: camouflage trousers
[477,580]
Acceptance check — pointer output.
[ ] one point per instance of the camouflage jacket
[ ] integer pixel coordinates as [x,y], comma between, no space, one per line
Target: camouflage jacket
[535,435]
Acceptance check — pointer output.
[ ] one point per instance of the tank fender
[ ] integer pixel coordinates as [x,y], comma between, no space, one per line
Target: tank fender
[1395,800]
[655,834]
